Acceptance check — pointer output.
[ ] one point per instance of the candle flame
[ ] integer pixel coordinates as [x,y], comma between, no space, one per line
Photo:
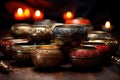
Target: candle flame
[107,24]
[27,12]
[37,13]
[69,14]
[20,11]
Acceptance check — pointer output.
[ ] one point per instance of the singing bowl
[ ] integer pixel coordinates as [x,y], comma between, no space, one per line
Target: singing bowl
[85,57]
[7,43]
[102,48]
[20,30]
[69,34]
[40,34]
[111,42]
[47,56]
[22,52]
[98,35]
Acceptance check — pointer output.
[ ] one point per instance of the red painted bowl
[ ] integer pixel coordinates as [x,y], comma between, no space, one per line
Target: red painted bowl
[85,56]
[6,45]
[102,48]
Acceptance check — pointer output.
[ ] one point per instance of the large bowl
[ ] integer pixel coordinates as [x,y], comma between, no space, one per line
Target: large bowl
[20,30]
[70,35]
[85,57]
[40,34]
[47,56]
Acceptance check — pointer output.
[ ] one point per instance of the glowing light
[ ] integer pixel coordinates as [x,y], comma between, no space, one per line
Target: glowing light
[38,15]
[68,15]
[27,13]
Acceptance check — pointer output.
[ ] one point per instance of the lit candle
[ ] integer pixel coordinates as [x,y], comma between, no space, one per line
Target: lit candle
[107,26]
[38,15]
[68,15]
[19,14]
[27,13]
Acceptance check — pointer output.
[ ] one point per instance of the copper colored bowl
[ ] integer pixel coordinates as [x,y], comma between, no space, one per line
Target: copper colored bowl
[22,52]
[85,57]
[20,30]
[47,56]
[40,34]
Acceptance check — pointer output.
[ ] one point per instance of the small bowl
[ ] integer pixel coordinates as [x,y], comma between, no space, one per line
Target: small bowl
[20,30]
[22,52]
[98,35]
[47,56]
[6,45]
[85,57]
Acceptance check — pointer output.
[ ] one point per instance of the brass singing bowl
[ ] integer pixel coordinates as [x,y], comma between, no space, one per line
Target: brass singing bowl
[22,52]
[47,56]
[98,35]
[20,30]
[40,33]
[111,42]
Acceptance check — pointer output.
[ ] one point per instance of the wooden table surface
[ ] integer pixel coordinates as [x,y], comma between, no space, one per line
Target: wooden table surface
[65,72]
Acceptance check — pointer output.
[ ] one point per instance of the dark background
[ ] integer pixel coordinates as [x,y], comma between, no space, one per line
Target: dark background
[98,11]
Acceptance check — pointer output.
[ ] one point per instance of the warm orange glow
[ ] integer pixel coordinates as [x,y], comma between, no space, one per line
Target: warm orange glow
[68,15]
[27,13]
[38,15]
[19,14]
[107,26]
[20,11]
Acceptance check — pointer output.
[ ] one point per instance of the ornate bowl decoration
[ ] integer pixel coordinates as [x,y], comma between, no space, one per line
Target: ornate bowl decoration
[20,30]
[47,56]
[102,48]
[85,57]
[7,43]
[98,35]
[40,33]
[111,42]
[69,34]
[22,52]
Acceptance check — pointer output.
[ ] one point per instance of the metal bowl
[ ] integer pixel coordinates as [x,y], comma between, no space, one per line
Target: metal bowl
[6,45]
[69,34]
[20,30]
[102,48]
[47,56]
[22,52]
[40,34]
[98,35]
[111,42]
[85,57]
